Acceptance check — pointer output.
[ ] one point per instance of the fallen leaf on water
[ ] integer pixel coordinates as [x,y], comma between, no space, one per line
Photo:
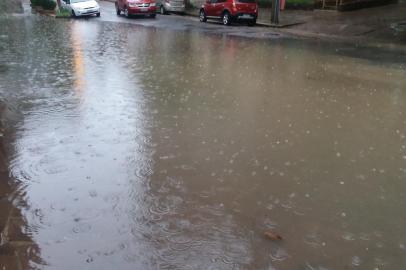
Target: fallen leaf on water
[272,235]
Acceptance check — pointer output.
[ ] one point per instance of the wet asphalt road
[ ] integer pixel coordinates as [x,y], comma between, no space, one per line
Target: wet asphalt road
[165,144]
[185,23]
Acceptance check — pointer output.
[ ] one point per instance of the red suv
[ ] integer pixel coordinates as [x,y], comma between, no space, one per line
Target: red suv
[136,7]
[230,10]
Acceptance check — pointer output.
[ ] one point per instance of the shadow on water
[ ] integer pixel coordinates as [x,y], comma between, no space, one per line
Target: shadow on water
[19,221]
[18,250]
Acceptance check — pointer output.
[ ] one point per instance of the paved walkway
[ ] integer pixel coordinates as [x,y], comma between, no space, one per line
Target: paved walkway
[382,23]
[10,6]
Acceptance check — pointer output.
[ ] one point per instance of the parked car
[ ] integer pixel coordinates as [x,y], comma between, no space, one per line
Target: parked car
[81,7]
[167,6]
[230,10]
[136,7]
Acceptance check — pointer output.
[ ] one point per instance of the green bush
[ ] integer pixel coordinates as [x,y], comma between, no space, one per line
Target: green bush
[48,4]
[45,4]
[301,4]
[35,2]
[265,3]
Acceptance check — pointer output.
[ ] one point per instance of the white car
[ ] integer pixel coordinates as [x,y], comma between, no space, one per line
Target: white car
[82,7]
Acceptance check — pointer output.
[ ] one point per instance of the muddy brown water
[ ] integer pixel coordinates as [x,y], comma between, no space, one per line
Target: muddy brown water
[138,148]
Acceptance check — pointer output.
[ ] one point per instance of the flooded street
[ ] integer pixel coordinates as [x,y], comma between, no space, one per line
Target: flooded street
[132,147]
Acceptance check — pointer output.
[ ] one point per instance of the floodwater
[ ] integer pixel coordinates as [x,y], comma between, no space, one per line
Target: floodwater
[139,148]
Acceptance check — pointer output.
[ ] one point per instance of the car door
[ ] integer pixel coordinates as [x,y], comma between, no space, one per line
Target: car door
[218,9]
[209,7]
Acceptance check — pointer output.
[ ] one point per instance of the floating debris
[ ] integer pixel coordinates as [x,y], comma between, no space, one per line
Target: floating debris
[273,236]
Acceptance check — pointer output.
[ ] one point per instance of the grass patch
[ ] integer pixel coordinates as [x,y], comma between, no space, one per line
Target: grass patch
[63,13]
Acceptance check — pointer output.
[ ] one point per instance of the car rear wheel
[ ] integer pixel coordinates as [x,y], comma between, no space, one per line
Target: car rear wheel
[98,14]
[118,11]
[226,18]
[162,10]
[202,16]
[153,16]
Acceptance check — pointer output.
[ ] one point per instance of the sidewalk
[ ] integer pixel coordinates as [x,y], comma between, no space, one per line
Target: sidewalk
[10,6]
[382,24]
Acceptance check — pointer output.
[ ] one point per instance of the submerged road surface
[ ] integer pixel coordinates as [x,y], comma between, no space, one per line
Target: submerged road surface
[133,147]
[184,23]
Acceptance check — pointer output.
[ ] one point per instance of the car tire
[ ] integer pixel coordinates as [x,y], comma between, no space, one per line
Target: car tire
[162,10]
[118,11]
[226,18]
[98,14]
[73,14]
[153,16]
[202,16]
[126,14]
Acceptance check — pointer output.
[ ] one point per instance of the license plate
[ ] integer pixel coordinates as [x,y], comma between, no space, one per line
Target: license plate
[246,16]
[144,9]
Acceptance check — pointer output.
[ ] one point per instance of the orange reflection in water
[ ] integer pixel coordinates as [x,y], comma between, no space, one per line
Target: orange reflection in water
[78,60]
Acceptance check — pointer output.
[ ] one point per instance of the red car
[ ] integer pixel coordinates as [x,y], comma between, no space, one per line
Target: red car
[230,10]
[136,7]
